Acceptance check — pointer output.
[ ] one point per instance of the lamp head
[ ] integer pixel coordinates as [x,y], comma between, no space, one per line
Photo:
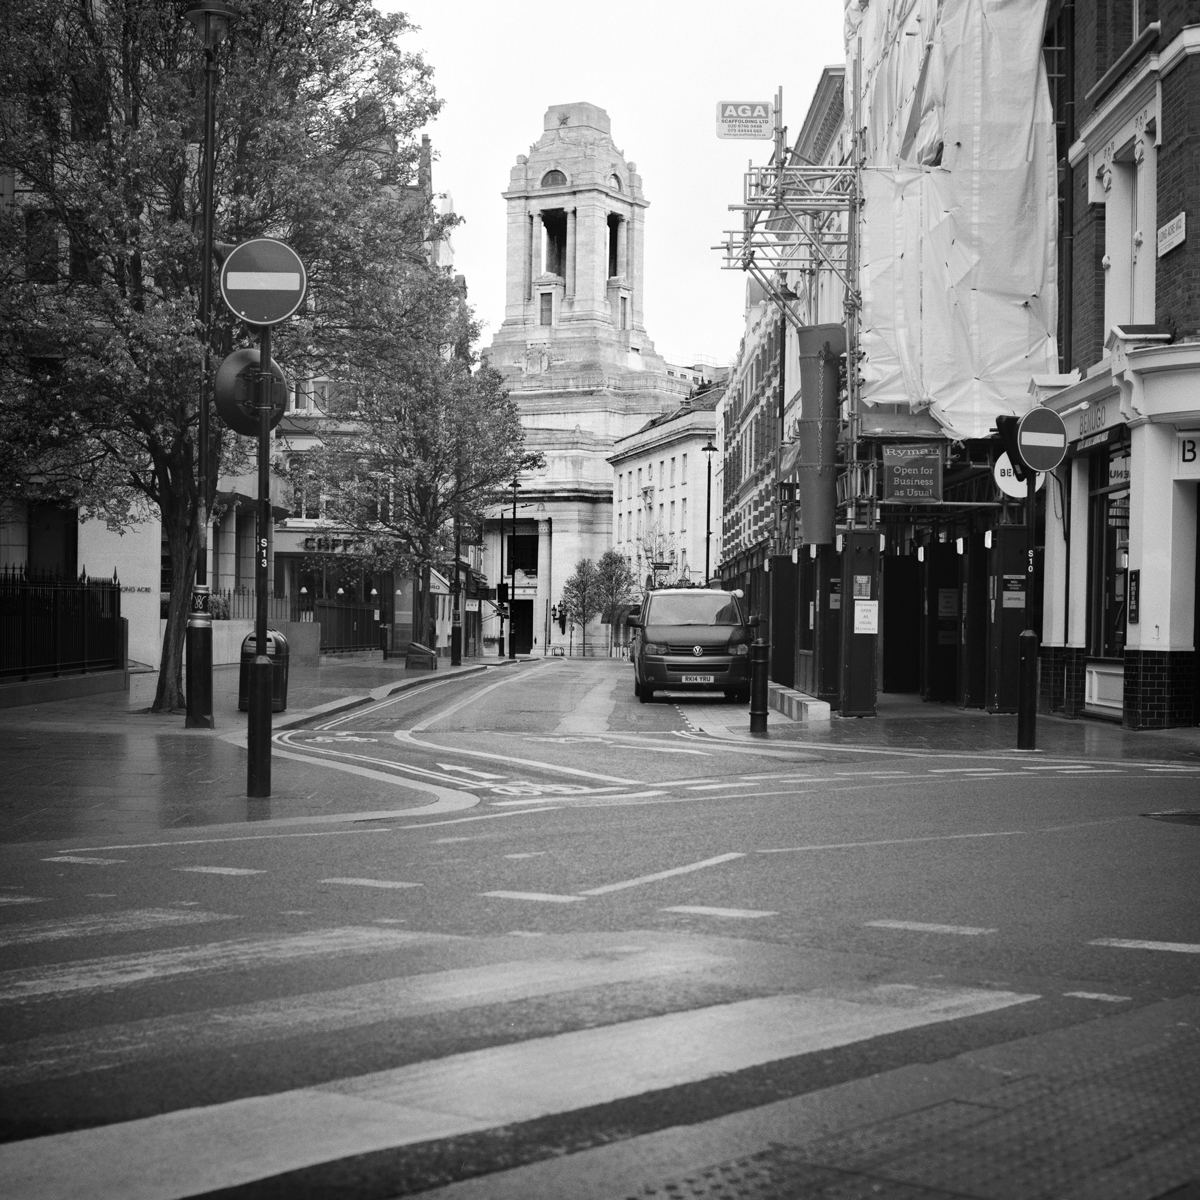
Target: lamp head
[211,19]
[710,448]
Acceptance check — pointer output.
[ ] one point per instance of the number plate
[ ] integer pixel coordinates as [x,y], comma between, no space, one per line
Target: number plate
[698,679]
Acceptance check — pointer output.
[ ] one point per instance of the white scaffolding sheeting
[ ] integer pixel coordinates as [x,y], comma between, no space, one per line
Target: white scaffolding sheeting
[959,217]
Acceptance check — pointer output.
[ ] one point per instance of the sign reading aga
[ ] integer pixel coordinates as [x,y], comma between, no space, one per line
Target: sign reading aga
[745,119]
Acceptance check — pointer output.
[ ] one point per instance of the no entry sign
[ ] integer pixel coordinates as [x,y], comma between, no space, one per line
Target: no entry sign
[1042,439]
[263,281]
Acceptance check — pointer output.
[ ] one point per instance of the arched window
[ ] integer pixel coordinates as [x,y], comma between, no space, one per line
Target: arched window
[553,179]
[614,182]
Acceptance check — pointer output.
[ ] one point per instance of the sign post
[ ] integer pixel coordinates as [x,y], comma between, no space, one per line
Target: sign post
[263,281]
[1035,443]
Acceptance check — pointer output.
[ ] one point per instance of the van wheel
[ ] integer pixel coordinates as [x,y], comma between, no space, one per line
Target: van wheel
[646,695]
[637,689]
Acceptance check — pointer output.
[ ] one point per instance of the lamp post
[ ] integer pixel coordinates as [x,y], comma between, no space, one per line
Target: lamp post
[211,19]
[708,451]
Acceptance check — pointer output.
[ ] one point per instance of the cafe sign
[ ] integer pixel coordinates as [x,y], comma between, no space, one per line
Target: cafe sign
[912,473]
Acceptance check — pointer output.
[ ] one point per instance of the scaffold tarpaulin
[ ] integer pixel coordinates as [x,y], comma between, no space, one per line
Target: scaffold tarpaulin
[958,226]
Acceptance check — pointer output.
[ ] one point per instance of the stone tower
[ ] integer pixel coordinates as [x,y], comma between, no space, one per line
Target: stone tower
[574,353]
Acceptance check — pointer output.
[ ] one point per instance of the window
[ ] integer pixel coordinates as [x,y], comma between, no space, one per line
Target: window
[639,522]
[639,479]
[671,527]
[662,472]
[1108,521]
[614,241]
[624,312]
[614,182]
[620,482]
[523,553]
[660,516]
[683,468]
[683,516]
[553,179]
[41,246]
[546,316]
[554,222]
[620,527]
[672,472]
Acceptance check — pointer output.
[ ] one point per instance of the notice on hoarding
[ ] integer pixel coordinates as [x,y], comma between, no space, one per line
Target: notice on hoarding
[947,602]
[912,473]
[866,616]
[745,119]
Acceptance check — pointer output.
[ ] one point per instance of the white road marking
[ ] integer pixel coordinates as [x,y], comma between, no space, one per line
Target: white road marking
[22,899]
[1135,944]
[471,698]
[482,817]
[942,837]
[547,897]
[406,736]
[528,854]
[402,695]
[222,870]
[372,883]
[926,927]
[657,875]
[255,837]
[195,1150]
[1098,996]
[221,1030]
[702,911]
[587,796]
[122,970]
[958,770]
[134,921]
[468,771]
[79,858]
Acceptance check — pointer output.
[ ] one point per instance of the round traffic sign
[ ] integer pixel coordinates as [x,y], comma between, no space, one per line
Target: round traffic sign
[1007,481]
[1042,439]
[263,281]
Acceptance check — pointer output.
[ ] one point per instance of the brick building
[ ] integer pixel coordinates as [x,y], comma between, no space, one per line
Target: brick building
[1121,534]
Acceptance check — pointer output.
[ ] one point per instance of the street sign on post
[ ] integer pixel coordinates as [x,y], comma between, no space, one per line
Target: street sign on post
[263,281]
[1041,439]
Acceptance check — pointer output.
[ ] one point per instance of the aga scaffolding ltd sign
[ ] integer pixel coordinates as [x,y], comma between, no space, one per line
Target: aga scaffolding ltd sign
[745,119]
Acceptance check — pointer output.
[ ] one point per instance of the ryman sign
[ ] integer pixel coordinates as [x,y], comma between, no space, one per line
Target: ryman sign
[912,473]
[745,119]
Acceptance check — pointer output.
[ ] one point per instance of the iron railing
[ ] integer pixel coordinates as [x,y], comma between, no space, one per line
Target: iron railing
[241,604]
[55,626]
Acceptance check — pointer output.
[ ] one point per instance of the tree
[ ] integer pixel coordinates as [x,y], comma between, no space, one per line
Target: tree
[617,585]
[420,432]
[100,352]
[581,597]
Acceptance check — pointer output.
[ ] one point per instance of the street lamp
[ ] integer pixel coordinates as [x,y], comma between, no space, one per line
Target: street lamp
[512,582]
[211,19]
[708,451]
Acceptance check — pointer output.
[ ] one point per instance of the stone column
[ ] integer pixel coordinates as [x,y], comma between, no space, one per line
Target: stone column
[543,599]
[535,260]
[570,254]
[528,259]
[1054,590]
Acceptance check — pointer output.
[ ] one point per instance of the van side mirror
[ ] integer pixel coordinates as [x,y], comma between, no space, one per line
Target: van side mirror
[754,621]
[634,622]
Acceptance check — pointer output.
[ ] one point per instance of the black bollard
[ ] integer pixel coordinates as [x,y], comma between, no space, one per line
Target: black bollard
[758,686]
[1027,692]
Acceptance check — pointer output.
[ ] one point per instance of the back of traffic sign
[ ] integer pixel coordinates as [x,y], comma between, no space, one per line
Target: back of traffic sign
[263,281]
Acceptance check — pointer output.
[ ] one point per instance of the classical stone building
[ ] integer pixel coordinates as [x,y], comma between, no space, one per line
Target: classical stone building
[575,355]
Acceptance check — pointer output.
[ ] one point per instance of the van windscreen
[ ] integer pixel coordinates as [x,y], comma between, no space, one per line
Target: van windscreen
[702,608]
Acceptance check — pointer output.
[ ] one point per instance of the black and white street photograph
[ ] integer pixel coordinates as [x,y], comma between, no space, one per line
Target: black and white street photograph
[599,603]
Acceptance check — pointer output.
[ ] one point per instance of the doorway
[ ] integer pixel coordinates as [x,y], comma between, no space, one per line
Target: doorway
[522,626]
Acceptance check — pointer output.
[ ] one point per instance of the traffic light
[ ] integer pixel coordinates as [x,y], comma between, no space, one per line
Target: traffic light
[1006,427]
[502,593]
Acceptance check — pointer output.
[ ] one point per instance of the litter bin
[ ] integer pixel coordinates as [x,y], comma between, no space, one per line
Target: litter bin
[277,652]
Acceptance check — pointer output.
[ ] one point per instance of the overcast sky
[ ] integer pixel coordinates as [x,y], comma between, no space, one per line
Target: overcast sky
[658,67]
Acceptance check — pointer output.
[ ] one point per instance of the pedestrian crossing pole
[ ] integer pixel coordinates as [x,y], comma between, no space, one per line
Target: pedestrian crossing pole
[258,725]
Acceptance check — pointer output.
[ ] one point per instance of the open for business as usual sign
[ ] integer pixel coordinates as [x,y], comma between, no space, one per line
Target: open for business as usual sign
[912,472]
[745,119]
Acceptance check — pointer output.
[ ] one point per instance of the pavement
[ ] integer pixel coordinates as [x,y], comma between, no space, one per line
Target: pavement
[783,1020]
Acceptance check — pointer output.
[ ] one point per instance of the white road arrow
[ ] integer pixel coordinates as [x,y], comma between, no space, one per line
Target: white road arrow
[467,771]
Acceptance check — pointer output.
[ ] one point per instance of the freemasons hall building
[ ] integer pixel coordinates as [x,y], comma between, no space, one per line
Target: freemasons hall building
[576,358]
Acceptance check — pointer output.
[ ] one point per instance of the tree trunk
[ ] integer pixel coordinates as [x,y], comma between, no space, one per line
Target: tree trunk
[184,546]
[422,610]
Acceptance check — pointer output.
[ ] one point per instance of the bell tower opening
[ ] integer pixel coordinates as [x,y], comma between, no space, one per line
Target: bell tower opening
[615,239]
[554,221]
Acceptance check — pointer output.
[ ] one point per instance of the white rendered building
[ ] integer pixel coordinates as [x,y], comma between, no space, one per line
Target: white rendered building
[575,356]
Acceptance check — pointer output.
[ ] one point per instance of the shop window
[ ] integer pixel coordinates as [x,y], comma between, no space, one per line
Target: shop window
[1108,566]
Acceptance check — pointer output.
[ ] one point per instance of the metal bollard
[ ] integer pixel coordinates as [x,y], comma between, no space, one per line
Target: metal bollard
[758,686]
[1027,692]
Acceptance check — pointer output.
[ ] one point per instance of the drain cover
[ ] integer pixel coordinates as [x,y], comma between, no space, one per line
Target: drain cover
[1177,816]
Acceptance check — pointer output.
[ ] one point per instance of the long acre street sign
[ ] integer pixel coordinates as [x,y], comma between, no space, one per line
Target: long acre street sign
[263,281]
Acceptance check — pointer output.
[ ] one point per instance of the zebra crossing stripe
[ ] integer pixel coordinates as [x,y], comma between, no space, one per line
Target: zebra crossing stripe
[196,1150]
[135,920]
[124,970]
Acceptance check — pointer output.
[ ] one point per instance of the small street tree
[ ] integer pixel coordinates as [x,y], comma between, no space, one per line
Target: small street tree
[617,585]
[582,598]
